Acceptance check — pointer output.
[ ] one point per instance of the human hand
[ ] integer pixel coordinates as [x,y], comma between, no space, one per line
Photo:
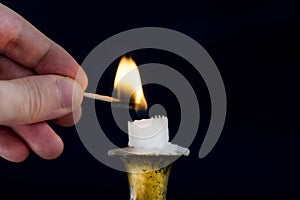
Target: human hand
[34,88]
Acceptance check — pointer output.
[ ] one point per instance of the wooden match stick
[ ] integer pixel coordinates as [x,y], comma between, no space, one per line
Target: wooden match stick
[101,97]
[115,101]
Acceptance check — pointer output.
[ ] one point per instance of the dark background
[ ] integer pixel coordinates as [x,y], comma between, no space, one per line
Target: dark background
[256,47]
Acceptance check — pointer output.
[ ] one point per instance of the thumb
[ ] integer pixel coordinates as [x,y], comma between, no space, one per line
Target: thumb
[38,98]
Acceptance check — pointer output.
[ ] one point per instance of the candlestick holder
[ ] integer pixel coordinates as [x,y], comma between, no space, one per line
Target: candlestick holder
[148,170]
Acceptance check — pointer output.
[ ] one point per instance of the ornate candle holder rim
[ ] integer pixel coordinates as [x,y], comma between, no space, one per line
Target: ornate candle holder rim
[168,149]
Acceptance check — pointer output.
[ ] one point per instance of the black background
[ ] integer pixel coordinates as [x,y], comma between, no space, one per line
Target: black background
[256,47]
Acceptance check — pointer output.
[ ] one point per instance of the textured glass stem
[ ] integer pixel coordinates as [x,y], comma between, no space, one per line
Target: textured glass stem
[147,181]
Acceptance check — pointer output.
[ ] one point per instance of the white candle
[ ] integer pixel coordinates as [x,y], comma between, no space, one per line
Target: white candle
[148,133]
[150,137]
[146,136]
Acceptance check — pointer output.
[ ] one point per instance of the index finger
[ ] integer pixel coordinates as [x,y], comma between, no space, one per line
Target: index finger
[23,43]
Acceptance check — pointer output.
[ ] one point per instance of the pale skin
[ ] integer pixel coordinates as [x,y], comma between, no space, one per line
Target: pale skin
[38,80]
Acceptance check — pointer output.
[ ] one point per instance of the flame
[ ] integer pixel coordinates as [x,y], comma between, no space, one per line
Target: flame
[128,83]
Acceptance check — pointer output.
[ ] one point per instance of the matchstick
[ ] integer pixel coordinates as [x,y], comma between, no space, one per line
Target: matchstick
[116,102]
[101,97]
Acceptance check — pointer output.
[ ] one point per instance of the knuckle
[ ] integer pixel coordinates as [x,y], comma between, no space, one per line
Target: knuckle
[10,31]
[34,100]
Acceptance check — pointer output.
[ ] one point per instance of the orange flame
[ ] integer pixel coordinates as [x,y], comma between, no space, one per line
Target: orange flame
[128,83]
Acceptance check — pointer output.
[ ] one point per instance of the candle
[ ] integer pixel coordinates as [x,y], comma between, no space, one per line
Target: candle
[150,136]
[148,133]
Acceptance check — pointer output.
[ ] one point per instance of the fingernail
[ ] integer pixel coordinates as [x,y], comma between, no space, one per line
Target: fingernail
[70,92]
